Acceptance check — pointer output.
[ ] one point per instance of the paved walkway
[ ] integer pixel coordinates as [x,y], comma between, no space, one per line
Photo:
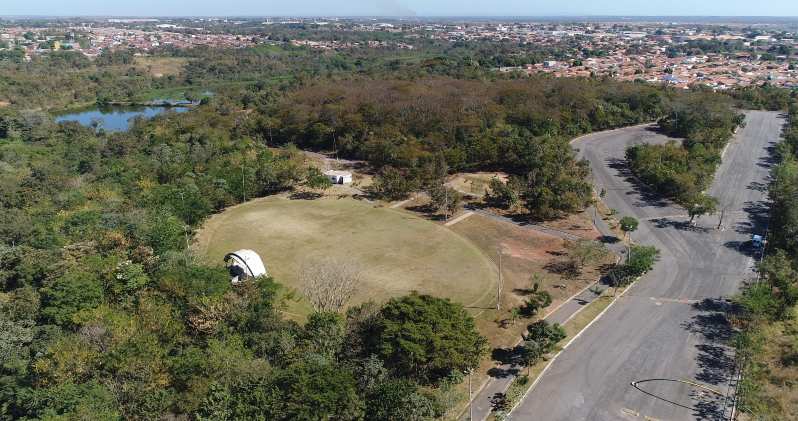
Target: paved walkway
[459,218]
[505,374]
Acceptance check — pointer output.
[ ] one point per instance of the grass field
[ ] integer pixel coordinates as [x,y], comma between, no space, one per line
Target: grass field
[161,66]
[397,252]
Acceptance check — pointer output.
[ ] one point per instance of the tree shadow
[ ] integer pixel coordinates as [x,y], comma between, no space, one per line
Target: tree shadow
[503,373]
[305,195]
[648,196]
[715,355]
[757,186]
[428,210]
[609,239]
[564,268]
[715,359]
[665,222]
[746,248]
[500,403]
[509,358]
[757,218]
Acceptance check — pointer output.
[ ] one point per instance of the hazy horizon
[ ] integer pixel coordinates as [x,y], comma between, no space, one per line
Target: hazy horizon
[399,8]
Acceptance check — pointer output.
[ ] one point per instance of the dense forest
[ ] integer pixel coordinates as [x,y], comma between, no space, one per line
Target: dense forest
[105,315]
[518,126]
[768,345]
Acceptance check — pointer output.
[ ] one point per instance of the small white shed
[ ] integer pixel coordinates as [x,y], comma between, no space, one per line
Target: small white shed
[339,177]
[244,264]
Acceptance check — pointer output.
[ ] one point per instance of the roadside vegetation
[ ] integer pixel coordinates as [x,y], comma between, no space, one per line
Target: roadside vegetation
[683,170]
[768,345]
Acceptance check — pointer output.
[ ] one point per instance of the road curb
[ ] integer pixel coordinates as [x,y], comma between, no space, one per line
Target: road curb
[578,334]
[549,313]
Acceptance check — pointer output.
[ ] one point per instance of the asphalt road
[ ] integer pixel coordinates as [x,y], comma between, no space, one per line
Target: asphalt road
[667,334]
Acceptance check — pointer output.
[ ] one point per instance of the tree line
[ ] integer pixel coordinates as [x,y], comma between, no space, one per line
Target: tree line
[768,344]
[403,128]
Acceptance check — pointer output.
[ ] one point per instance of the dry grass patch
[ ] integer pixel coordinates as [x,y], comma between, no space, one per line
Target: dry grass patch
[161,66]
[397,252]
[770,387]
[474,184]
[525,253]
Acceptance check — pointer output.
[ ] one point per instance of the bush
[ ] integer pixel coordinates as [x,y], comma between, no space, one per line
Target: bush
[641,259]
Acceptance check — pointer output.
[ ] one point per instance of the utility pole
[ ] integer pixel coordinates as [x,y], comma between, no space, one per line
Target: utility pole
[243,185]
[499,285]
[335,147]
[185,227]
[720,223]
[445,203]
[470,398]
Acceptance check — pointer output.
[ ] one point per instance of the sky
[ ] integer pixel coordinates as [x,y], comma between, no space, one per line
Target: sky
[399,7]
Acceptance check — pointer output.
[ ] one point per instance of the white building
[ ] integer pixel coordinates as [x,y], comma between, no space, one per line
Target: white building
[244,264]
[339,177]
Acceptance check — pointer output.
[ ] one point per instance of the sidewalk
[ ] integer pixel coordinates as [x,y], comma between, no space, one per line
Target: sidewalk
[505,374]
[499,382]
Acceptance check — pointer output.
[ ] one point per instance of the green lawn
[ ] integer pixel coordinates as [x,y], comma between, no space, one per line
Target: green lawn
[398,252]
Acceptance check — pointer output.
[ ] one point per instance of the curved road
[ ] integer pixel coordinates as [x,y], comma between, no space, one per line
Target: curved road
[667,333]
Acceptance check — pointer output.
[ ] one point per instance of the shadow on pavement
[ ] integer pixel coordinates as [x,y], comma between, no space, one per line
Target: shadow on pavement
[647,196]
[715,356]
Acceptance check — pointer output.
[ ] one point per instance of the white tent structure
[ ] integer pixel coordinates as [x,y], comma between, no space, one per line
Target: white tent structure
[339,177]
[244,264]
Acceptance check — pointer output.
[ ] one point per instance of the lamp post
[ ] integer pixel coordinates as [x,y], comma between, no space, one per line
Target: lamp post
[470,397]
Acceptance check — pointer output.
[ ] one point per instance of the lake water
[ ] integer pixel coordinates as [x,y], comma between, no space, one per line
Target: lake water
[115,118]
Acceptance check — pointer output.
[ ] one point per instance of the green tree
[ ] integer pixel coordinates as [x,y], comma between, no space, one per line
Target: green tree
[537,300]
[541,338]
[314,391]
[399,400]
[426,338]
[445,199]
[501,194]
[776,269]
[701,205]
[392,184]
[70,293]
[584,252]
[628,225]
[324,334]
[316,180]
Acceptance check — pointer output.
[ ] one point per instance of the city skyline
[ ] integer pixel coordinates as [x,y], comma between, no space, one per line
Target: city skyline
[732,8]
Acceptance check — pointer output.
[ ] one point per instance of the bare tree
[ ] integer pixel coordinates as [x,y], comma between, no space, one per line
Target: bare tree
[329,284]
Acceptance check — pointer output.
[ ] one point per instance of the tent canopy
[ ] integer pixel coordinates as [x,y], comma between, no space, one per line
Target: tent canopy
[244,264]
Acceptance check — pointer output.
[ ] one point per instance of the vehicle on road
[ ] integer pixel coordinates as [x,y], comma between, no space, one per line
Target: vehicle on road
[757,242]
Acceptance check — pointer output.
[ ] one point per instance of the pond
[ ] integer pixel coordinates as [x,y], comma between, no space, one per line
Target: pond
[115,118]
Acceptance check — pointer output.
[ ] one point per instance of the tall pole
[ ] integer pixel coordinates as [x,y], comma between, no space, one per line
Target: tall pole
[185,227]
[470,398]
[720,223]
[446,203]
[499,285]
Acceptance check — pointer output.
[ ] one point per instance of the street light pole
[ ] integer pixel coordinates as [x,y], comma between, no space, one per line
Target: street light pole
[499,286]
[470,398]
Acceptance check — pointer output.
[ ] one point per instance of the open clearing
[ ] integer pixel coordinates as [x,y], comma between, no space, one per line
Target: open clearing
[161,66]
[397,252]
[474,184]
